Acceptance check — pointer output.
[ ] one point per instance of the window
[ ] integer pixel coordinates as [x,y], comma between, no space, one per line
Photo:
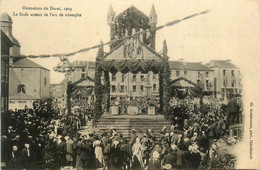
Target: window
[225,81]
[233,83]
[123,77]
[198,82]
[142,88]
[199,74]
[83,69]
[113,88]
[122,88]
[113,77]
[154,87]
[222,93]
[142,77]
[224,72]
[207,74]
[83,75]
[177,73]
[134,88]
[207,83]
[21,88]
[232,73]
[148,77]
[134,78]
[45,81]
[185,73]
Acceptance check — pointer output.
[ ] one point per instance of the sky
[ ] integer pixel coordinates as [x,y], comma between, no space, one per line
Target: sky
[223,33]
[230,30]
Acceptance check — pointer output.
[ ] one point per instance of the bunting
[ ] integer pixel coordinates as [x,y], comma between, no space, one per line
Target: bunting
[171,23]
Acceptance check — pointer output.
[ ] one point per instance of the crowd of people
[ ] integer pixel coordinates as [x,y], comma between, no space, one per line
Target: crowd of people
[38,138]
[29,135]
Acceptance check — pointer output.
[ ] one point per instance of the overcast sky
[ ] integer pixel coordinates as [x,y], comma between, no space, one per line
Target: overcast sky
[228,31]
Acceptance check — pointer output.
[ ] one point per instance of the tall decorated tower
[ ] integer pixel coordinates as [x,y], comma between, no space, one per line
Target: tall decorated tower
[111,22]
[153,22]
[130,22]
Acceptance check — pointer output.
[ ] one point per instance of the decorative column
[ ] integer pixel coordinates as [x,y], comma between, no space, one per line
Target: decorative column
[166,82]
[161,91]
[107,89]
[153,23]
[98,86]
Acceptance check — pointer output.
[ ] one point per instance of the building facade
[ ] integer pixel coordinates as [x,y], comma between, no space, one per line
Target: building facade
[6,43]
[196,72]
[57,95]
[29,78]
[227,78]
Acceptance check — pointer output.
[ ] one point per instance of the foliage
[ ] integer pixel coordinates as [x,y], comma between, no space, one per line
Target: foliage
[222,160]
[161,92]
[166,88]
[98,85]
[107,90]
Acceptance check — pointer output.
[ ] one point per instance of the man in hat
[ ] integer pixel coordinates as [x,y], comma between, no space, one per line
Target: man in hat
[61,151]
[145,146]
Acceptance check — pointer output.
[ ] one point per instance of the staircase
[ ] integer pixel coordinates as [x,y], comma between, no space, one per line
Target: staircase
[124,123]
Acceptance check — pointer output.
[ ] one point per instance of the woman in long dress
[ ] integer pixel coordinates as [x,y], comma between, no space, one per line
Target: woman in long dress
[137,151]
[99,162]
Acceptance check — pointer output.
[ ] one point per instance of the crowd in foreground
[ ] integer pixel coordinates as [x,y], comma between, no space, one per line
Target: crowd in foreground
[191,142]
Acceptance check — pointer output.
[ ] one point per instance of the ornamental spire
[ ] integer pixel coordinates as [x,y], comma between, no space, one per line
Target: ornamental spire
[165,49]
[111,15]
[153,16]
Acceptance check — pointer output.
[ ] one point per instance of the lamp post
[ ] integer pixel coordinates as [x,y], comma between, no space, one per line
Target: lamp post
[65,67]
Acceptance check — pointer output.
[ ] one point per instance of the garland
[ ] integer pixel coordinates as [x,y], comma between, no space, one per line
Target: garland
[98,85]
[107,89]
[166,88]
[161,92]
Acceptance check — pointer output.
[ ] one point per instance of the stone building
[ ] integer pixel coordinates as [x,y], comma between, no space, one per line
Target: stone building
[28,81]
[227,78]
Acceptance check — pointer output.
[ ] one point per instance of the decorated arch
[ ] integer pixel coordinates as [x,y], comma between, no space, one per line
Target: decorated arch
[132,55]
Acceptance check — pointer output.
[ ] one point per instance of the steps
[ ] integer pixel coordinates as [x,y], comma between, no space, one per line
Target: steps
[124,123]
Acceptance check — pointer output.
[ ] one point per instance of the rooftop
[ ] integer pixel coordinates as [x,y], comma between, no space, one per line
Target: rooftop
[178,65]
[221,63]
[26,63]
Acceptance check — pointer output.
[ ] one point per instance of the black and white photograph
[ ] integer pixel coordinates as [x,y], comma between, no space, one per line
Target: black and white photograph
[130,84]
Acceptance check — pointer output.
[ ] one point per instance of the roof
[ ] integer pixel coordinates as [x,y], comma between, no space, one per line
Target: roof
[90,64]
[221,63]
[5,17]
[84,82]
[178,65]
[22,96]
[118,53]
[26,63]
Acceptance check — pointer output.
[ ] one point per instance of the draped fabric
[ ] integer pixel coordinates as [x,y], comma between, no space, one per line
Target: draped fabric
[81,92]
[181,93]
[134,66]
